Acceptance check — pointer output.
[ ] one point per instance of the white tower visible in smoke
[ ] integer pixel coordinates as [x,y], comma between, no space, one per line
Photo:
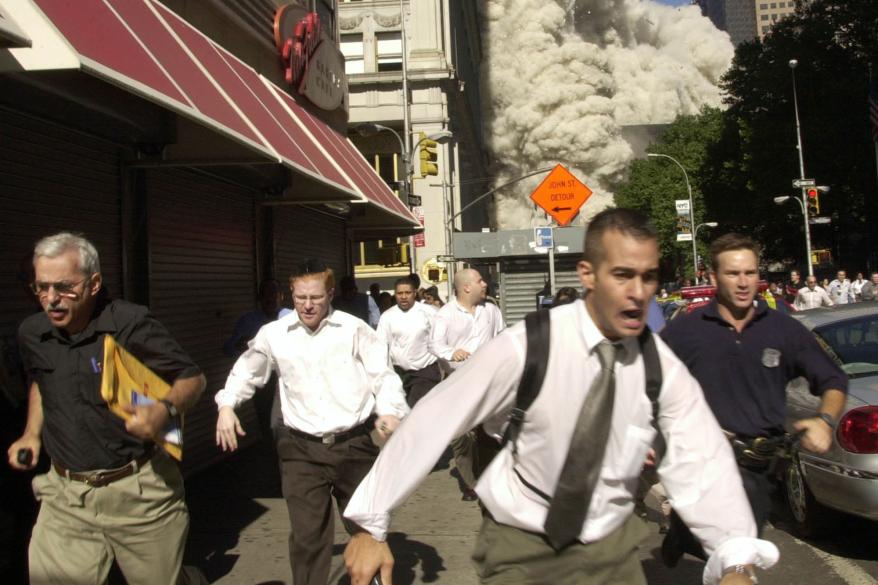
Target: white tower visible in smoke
[561,77]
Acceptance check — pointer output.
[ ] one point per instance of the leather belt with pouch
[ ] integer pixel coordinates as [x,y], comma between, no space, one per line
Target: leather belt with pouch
[758,453]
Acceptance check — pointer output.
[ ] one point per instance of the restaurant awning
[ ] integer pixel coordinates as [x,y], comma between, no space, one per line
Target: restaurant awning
[145,48]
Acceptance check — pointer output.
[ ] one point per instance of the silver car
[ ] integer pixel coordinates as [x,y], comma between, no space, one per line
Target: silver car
[846,477]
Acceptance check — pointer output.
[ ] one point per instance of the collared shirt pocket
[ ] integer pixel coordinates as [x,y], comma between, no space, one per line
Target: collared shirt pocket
[636,445]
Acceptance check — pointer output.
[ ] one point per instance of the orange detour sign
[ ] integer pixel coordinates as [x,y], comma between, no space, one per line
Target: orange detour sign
[561,195]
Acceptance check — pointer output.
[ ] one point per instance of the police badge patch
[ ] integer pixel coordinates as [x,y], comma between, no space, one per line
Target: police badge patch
[770,357]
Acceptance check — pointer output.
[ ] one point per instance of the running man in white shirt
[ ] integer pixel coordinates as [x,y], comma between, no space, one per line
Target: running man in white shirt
[463,325]
[336,384]
[406,329]
[620,272]
[811,296]
[466,322]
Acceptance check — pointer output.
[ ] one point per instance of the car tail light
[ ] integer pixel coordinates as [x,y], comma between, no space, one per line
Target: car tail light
[858,430]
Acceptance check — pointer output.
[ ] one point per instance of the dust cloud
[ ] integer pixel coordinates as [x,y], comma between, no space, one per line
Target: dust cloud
[562,77]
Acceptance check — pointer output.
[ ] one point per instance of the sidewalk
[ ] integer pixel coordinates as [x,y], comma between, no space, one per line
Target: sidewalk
[240,528]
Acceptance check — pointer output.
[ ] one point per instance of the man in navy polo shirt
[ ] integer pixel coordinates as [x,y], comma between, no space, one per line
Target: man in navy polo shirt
[743,354]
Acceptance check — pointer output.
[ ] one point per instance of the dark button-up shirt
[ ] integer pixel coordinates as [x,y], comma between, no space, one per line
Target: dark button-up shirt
[79,431]
[744,375]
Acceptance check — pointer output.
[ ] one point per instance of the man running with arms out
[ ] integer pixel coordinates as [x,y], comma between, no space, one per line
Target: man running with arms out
[743,354]
[336,385]
[406,329]
[551,516]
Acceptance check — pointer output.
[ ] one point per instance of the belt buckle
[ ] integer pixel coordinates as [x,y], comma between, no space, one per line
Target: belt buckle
[328,439]
[93,479]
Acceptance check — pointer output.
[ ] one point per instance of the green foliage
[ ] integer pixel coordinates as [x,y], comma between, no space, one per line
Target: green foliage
[655,183]
[740,159]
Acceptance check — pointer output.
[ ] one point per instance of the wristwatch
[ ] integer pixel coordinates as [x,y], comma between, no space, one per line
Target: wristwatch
[172,410]
[743,570]
[827,419]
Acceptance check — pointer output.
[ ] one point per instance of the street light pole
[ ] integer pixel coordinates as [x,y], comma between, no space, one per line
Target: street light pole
[691,208]
[793,63]
[711,224]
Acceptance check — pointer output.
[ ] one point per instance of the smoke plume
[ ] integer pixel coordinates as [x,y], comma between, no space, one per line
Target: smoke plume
[563,76]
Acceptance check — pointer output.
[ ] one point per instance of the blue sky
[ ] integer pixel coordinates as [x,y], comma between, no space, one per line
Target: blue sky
[674,2]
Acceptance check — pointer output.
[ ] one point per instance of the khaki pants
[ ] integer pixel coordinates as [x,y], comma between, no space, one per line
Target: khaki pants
[140,520]
[508,556]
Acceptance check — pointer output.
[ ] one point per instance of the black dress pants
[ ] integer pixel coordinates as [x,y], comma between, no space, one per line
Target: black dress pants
[312,474]
[416,383]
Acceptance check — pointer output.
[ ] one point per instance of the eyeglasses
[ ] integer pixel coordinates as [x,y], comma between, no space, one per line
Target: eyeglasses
[63,288]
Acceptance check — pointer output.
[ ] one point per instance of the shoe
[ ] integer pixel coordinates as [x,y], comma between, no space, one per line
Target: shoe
[469,496]
[672,548]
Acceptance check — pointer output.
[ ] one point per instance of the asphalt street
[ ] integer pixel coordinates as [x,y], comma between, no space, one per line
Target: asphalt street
[240,529]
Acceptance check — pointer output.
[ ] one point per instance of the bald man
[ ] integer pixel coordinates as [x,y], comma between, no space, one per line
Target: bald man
[461,327]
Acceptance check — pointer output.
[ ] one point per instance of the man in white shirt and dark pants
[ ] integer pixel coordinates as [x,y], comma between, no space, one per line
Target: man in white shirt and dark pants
[811,296]
[336,385]
[519,541]
[406,328]
[463,325]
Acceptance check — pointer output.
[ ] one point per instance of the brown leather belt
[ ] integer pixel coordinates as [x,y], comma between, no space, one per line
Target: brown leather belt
[105,476]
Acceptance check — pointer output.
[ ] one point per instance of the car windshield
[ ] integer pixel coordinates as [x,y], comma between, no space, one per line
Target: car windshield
[853,344]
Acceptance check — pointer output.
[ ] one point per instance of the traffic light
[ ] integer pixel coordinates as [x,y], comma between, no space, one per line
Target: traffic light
[428,155]
[813,195]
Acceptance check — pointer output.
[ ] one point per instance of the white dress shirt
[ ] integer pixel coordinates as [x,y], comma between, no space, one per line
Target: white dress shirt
[331,379]
[839,291]
[698,469]
[811,299]
[407,334]
[456,328]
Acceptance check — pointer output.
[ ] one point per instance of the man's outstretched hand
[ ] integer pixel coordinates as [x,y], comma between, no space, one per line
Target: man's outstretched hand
[364,557]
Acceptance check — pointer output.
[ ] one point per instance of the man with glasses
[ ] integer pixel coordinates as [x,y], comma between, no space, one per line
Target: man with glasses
[336,385]
[109,493]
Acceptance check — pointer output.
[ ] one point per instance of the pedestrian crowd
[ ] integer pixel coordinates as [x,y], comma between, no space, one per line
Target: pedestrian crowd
[552,422]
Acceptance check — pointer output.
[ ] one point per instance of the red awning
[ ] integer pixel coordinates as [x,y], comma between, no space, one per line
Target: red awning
[145,48]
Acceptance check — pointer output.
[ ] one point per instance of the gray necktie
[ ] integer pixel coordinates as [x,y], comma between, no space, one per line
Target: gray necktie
[582,468]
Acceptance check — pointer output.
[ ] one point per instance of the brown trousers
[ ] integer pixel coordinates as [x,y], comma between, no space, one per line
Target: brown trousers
[311,475]
[508,556]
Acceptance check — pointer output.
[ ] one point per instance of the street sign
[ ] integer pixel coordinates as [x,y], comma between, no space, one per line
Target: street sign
[543,237]
[801,183]
[561,195]
[819,220]
[444,258]
[684,226]
[414,200]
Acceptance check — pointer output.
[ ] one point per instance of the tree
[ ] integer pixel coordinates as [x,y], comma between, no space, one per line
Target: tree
[834,42]
[654,183]
[740,159]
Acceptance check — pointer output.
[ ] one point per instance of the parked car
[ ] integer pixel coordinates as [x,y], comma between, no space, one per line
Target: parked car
[846,477]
